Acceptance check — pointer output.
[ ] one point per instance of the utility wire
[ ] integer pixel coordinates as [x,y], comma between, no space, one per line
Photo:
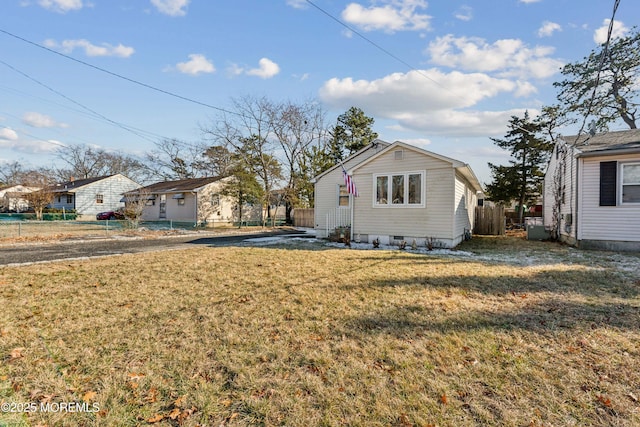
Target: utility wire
[113,122]
[603,55]
[120,76]
[382,49]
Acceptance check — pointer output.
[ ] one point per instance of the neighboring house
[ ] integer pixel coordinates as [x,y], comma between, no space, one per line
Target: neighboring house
[592,190]
[92,195]
[197,200]
[12,197]
[405,193]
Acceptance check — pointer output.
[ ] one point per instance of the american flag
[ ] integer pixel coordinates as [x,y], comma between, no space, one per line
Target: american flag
[348,181]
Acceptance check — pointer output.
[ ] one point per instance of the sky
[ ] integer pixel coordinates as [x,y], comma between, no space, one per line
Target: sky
[443,75]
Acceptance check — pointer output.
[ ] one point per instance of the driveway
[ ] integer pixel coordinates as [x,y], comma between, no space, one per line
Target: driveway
[78,249]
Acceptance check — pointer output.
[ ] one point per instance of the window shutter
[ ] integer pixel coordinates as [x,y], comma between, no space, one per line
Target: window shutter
[608,183]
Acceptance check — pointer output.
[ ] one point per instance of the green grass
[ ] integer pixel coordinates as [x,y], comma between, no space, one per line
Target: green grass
[305,337]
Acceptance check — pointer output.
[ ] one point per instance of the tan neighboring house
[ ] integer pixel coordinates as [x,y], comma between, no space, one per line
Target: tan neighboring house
[12,197]
[91,196]
[592,190]
[196,200]
[405,193]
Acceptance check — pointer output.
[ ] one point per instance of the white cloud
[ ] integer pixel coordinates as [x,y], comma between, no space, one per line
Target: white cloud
[297,4]
[390,16]
[416,103]
[508,57]
[266,69]
[171,7]
[464,13]
[548,28]
[68,46]
[197,64]
[529,1]
[619,30]
[8,134]
[61,6]
[39,120]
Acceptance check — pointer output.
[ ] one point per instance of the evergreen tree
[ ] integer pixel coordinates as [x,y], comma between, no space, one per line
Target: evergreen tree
[351,133]
[522,178]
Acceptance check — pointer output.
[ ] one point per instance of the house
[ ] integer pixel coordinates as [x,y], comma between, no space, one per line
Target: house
[592,191]
[404,193]
[12,197]
[91,196]
[196,200]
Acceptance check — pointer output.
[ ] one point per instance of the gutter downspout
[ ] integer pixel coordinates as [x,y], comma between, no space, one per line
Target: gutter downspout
[195,195]
[353,205]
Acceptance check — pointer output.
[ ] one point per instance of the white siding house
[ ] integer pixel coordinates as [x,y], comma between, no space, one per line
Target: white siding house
[91,196]
[405,193]
[12,197]
[592,191]
[196,200]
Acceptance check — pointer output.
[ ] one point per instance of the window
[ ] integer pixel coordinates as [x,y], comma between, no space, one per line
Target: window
[343,196]
[397,189]
[215,200]
[181,202]
[415,189]
[382,190]
[400,190]
[99,198]
[69,199]
[631,183]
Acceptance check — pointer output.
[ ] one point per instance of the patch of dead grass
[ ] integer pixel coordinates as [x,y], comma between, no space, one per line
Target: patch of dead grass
[264,336]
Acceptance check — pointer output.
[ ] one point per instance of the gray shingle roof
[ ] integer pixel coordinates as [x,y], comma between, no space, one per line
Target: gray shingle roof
[609,141]
[177,186]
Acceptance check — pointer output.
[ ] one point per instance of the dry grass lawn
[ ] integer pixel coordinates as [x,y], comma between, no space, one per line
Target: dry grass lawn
[520,334]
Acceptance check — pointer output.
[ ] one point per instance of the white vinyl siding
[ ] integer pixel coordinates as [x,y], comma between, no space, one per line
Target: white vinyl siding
[611,223]
[560,182]
[464,202]
[111,190]
[433,218]
[325,189]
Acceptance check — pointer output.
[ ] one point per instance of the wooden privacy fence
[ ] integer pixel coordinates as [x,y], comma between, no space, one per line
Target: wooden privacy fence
[303,218]
[489,220]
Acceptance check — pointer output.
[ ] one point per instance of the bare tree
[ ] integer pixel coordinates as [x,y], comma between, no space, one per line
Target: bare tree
[134,205]
[39,199]
[296,128]
[173,159]
[89,162]
[247,134]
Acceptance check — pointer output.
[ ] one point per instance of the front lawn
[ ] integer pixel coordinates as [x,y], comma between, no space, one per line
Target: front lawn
[504,332]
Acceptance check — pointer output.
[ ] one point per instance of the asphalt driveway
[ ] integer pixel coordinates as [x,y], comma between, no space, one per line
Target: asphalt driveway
[78,249]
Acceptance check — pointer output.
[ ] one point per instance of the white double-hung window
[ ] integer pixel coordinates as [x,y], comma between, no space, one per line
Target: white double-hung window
[406,189]
[630,182]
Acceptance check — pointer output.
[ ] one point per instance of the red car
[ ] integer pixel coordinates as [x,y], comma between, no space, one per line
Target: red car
[110,215]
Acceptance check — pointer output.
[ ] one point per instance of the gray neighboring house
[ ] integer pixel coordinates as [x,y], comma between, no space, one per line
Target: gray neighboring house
[91,196]
[196,200]
[592,190]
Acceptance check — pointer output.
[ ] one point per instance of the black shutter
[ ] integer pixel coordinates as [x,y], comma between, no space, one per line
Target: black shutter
[608,183]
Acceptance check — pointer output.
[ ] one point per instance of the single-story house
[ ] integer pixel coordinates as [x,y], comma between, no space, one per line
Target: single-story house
[12,197]
[405,193]
[197,200]
[592,190]
[91,196]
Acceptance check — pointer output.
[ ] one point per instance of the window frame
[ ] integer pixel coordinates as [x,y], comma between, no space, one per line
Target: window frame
[340,196]
[100,199]
[622,184]
[405,175]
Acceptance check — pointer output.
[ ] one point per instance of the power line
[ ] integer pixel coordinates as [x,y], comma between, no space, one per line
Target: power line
[382,49]
[120,76]
[113,122]
[603,54]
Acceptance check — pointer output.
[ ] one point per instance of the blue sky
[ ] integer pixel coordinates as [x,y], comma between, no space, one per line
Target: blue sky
[446,75]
